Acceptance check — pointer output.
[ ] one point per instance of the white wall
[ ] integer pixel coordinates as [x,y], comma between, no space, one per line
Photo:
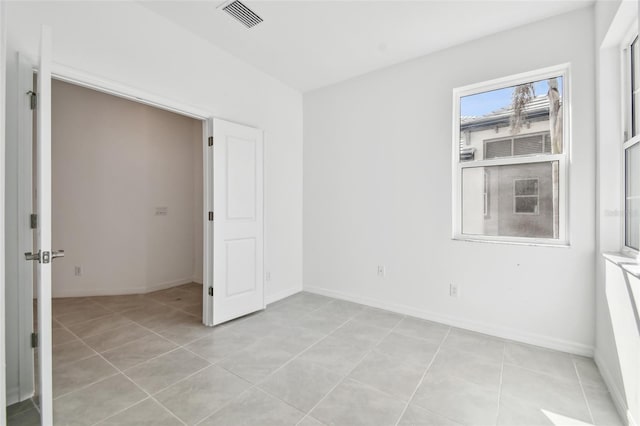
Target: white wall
[114,162]
[126,43]
[377,190]
[614,343]
[622,293]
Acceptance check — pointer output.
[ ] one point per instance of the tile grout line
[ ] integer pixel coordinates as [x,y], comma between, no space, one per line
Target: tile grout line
[355,365]
[79,359]
[80,322]
[242,319]
[283,325]
[257,384]
[178,346]
[296,357]
[86,386]
[82,340]
[95,353]
[107,330]
[148,398]
[149,395]
[122,410]
[119,371]
[504,352]
[190,375]
[542,373]
[584,393]
[424,374]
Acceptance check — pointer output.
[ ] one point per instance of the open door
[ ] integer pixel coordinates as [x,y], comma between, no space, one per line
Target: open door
[43,254]
[236,224]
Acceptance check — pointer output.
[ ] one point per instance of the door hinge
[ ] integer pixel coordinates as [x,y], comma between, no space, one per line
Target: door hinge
[210,291]
[34,221]
[210,216]
[33,99]
[210,140]
[34,340]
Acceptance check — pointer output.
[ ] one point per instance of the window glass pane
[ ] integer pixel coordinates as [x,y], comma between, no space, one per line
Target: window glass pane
[526,186]
[496,149]
[636,113]
[526,205]
[512,121]
[529,145]
[632,197]
[519,200]
[635,88]
[635,62]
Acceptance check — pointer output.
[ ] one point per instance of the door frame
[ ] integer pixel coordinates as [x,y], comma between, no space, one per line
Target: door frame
[87,80]
[3,67]
[79,78]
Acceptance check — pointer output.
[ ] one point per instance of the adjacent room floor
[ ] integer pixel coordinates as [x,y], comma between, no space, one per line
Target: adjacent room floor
[306,360]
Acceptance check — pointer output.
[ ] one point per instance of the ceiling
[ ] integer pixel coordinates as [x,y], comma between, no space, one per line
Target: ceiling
[311,44]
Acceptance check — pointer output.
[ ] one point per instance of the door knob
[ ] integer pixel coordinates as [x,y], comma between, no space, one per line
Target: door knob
[44,256]
[32,256]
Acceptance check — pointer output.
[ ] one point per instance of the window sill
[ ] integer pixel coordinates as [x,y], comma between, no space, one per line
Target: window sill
[559,244]
[625,261]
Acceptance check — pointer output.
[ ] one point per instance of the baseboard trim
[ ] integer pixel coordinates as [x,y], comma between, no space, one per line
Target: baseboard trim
[168,284]
[281,295]
[493,330]
[616,395]
[84,292]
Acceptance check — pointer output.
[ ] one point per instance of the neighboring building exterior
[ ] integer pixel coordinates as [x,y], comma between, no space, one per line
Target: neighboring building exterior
[508,200]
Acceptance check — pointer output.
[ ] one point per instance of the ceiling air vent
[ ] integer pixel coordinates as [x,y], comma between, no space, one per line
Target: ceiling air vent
[242,13]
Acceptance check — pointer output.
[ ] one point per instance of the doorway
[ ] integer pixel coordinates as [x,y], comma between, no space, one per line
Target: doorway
[126,195]
[239,149]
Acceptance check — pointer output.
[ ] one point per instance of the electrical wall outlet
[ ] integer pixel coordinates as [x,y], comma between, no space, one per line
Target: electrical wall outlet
[267,276]
[77,271]
[454,291]
[382,271]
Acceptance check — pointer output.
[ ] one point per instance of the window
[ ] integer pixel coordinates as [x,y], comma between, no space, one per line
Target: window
[525,196]
[631,51]
[511,159]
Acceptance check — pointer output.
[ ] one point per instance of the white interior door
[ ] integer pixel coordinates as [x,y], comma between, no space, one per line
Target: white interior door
[238,285]
[43,254]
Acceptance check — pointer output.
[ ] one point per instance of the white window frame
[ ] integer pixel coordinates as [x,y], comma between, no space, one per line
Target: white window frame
[629,140]
[564,159]
[536,195]
[486,193]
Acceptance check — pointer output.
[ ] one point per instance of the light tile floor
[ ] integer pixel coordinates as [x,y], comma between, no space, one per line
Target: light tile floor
[306,360]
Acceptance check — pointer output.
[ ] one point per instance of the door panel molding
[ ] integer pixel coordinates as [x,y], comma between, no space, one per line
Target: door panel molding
[236,198]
